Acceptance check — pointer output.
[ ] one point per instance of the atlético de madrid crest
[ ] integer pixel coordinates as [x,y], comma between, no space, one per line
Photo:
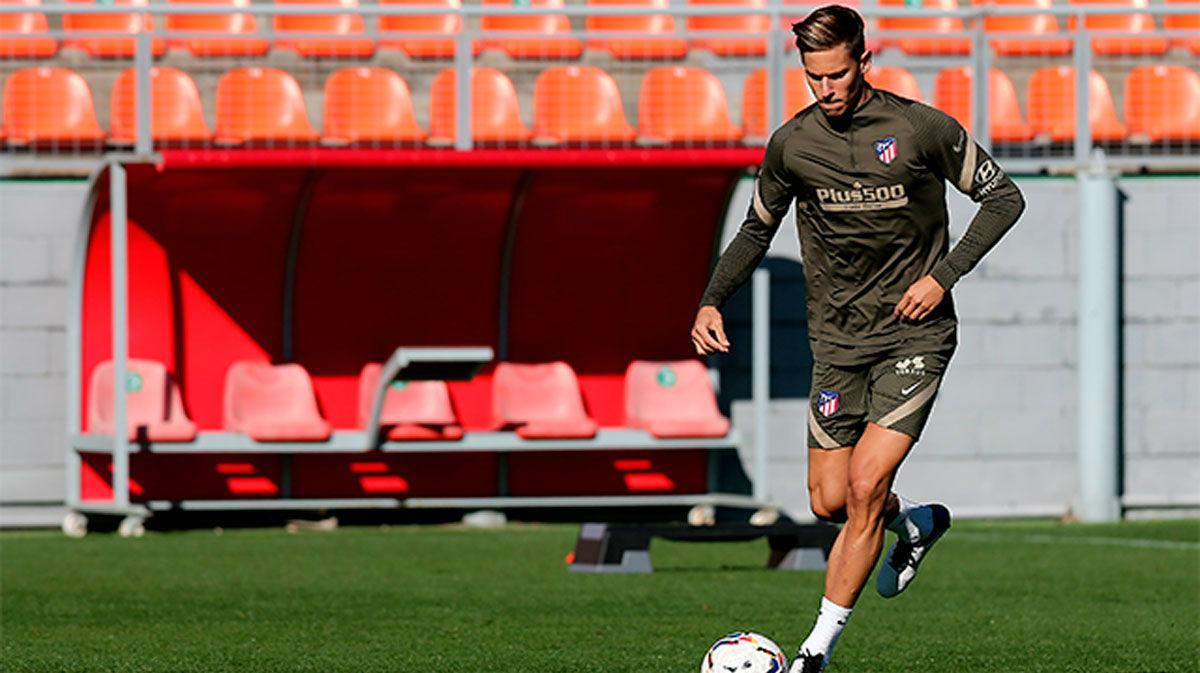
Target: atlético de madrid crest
[886,150]
[828,402]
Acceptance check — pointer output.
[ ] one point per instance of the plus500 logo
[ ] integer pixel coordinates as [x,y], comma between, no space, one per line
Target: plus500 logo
[862,198]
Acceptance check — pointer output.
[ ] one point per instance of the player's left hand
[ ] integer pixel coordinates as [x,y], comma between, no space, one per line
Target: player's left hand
[920,299]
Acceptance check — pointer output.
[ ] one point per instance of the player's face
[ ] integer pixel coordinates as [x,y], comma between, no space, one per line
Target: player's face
[836,78]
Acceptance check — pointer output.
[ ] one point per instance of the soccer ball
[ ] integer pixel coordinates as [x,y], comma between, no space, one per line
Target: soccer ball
[744,652]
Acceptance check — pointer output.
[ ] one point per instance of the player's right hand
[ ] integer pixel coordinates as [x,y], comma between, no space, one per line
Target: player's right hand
[708,334]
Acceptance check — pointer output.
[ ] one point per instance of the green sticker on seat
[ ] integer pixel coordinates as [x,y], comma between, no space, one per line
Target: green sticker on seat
[133,382]
[666,377]
[399,385]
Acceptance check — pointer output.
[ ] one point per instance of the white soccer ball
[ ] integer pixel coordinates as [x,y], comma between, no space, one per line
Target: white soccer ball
[744,652]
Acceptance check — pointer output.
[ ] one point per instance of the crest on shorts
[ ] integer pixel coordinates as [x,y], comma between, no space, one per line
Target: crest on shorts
[828,402]
[886,150]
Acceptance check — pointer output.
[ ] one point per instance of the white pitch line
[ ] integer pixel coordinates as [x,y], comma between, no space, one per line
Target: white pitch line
[1137,543]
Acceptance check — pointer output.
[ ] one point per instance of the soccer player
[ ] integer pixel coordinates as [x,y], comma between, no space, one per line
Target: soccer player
[867,171]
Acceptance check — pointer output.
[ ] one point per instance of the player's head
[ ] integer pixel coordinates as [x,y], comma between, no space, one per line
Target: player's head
[833,52]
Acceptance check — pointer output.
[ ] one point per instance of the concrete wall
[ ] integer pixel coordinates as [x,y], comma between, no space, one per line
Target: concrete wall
[1002,440]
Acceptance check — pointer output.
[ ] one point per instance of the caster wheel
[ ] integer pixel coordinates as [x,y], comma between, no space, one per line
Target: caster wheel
[702,515]
[74,524]
[132,526]
[766,516]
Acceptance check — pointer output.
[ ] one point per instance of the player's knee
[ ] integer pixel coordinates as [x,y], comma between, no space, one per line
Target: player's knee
[867,493]
[827,506]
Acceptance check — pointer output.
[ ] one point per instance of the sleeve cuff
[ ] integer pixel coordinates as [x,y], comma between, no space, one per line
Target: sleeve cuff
[944,275]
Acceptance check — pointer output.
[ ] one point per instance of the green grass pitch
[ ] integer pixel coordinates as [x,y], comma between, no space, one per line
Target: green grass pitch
[1031,596]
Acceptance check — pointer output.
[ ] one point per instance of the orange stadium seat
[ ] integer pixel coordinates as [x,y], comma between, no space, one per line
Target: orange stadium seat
[745,23]
[927,46]
[49,105]
[679,104]
[579,104]
[440,27]
[78,25]
[796,96]
[261,104]
[1051,100]
[952,95]
[1185,22]
[661,26]
[233,34]
[273,403]
[175,111]
[672,399]
[339,27]
[896,80]
[1162,103]
[532,47]
[1031,24]
[1122,23]
[369,104]
[154,406]
[22,35]
[412,410]
[542,401]
[495,112]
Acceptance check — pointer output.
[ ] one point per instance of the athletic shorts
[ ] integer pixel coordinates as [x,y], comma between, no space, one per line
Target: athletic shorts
[893,392]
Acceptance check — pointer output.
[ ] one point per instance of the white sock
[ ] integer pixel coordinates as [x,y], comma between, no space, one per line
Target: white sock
[903,525]
[830,621]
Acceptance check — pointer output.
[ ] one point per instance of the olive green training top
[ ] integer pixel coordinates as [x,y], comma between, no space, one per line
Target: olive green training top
[871,212]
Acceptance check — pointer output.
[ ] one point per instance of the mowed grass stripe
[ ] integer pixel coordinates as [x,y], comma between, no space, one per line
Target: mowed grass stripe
[450,599]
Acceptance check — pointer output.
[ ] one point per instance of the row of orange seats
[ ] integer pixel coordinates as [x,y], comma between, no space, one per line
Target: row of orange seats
[572,104]
[276,403]
[22,35]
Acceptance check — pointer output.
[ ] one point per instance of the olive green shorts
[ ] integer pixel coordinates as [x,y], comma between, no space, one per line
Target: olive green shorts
[893,392]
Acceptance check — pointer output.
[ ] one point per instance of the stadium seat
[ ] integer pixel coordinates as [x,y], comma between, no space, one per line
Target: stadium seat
[532,47]
[672,399]
[1031,24]
[261,104]
[154,407]
[745,23]
[661,26]
[23,35]
[49,105]
[1123,23]
[952,95]
[78,25]
[679,104]
[542,401]
[495,112]
[927,46]
[340,28]
[1184,22]
[412,410]
[1051,100]
[440,27]
[1162,103]
[233,34]
[896,80]
[369,105]
[796,96]
[579,104]
[273,403]
[175,112]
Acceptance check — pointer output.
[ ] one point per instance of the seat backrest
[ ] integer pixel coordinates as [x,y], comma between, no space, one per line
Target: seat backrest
[495,112]
[645,23]
[446,24]
[684,104]
[952,95]
[152,397]
[1182,21]
[676,390]
[261,104]
[750,23]
[175,111]
[941,24]
[1051,104]
[1134,23]
[416,402]
[335,24]
[1162,102]
[796,96]
[1038,24]
[896,80]
[579,103]
[233,23]
[45,104]
[262,391]
[24,22]
[108,23]
[524,393]
[369,104]
[540,23]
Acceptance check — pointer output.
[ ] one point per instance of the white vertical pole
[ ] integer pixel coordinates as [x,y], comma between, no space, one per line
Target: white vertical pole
[1099,343]
[120,332]
[761,375]
[463,62]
